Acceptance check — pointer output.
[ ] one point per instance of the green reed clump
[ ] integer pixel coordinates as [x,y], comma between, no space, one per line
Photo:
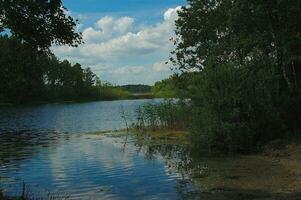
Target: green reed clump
[170,114]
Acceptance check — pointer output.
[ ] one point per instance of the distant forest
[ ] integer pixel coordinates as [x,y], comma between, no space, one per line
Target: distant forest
[28,77]
[137,89]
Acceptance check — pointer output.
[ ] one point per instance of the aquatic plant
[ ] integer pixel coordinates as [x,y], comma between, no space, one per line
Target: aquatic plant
[170,114]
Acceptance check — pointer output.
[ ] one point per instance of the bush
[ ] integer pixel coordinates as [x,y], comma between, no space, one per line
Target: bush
[238,109]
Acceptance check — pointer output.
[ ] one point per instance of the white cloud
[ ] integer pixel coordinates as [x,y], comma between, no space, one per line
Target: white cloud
[127,70]
[110,25]
[105,23]
[106,28]
[171,13]
[114,43]
[91,35]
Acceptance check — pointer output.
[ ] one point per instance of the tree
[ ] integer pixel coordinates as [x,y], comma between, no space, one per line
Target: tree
[34,25]
[89,78]
[241,32]
[38,23]
[247,54]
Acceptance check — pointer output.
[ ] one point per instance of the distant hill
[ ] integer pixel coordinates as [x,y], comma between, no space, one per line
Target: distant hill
[137,89]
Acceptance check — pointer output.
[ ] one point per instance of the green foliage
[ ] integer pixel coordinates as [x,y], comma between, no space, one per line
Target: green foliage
[246,54]
[24,80]
[169,114]
[28,71]
[237,31]
[108,92]
[18,77]
[38,24]
[233,111]
[164,88]
[176,86]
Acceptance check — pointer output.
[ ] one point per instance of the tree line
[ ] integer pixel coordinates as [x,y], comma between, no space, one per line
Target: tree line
[24,79]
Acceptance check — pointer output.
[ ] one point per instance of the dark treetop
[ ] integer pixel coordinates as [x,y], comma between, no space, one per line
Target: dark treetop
[39,23]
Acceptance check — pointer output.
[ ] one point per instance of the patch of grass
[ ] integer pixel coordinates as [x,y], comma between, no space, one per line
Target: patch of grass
[161,137]
[137,133]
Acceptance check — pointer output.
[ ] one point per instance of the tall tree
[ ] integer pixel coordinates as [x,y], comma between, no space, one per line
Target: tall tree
[239,31]
[38,23]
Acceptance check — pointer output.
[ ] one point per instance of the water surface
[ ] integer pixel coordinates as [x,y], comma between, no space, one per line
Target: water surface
[71,118]
[61,150]
[49,148]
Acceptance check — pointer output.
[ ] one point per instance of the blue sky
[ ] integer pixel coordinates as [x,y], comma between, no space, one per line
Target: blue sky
[126,41]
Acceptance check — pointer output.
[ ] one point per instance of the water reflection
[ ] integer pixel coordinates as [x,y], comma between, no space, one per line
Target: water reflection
[86,166]
[20,145]
[50,149]
[97,166]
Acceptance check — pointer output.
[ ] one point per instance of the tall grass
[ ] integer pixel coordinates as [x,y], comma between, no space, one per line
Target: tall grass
[170,114]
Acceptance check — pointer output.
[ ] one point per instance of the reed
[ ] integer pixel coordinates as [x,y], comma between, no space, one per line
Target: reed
[170,114]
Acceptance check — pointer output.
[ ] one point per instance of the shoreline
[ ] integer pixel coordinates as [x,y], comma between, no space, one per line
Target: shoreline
[35,103]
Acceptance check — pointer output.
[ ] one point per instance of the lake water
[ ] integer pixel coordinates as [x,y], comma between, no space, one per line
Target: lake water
[49,148]
[60,150]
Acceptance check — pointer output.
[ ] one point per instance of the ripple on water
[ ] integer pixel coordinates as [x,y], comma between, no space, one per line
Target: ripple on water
[37,149]
[84,167]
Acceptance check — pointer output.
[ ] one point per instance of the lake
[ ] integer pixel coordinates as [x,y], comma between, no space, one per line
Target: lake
[73,151]
[49,148]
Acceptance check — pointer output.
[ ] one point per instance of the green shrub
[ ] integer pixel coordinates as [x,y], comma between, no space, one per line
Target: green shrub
[237,109]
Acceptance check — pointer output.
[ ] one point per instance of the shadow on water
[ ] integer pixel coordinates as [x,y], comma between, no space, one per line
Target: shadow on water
[16,148]
[19,145]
